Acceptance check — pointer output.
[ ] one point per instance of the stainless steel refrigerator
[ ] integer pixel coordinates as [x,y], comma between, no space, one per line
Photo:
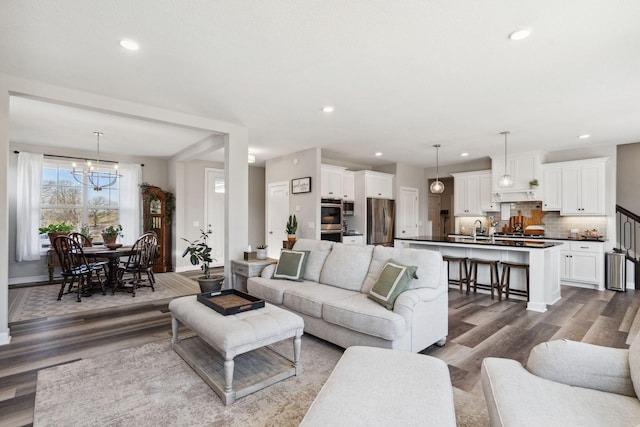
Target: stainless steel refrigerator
[380,221]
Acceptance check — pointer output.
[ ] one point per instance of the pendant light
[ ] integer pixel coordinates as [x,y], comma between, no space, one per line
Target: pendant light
[437,186]
[505,181]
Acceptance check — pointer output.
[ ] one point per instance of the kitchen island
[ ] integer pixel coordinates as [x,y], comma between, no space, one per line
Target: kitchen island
[543,259]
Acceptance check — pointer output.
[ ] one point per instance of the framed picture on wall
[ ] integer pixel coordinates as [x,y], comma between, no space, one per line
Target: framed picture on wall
[301,185]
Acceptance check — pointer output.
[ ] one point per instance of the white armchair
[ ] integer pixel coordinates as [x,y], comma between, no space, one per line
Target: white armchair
[565,383]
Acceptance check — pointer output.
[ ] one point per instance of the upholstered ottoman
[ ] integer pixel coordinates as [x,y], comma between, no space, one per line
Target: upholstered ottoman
[239,342]
[373,386]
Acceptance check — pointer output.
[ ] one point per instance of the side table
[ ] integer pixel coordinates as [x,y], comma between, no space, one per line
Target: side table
[246,269]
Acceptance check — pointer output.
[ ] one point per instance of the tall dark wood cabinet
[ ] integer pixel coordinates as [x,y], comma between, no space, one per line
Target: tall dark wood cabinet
[158,209]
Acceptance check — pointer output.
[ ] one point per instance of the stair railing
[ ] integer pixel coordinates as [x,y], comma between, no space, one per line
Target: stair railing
[628,232]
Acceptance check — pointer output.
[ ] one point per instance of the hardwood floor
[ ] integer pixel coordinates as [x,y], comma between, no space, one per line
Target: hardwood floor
[478,327]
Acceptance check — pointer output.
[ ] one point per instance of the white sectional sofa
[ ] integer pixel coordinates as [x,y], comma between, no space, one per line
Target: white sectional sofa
[332,298]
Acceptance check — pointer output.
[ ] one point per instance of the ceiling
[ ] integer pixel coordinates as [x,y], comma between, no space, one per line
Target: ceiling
[402,76]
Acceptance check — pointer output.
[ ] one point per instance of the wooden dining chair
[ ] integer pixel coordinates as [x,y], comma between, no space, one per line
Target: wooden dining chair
[75,266]
[85,242]
[141,261]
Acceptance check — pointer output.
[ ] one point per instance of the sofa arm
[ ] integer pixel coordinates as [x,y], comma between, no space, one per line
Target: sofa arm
[407,300]
[583,365]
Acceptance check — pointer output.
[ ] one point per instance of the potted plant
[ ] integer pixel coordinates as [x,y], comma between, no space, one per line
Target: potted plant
[291,228]
[200,253]
[110,234]
[533,184]
[86,232]
[55,230]
[261,251]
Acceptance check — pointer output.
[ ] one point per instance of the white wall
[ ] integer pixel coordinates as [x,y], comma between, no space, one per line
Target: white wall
[305,206]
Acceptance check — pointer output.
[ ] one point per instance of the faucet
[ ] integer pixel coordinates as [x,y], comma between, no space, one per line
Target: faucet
[473,230]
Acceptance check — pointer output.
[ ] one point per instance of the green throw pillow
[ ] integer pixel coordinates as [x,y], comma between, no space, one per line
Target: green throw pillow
[291,265]
[393,280]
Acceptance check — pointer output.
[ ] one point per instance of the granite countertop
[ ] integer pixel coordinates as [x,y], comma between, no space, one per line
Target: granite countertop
[541,244]
[547,237]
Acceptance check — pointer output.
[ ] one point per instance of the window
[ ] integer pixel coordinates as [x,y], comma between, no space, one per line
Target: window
[62,198]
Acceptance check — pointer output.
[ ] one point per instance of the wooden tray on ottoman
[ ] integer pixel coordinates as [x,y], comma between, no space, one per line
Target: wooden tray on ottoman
[230,301]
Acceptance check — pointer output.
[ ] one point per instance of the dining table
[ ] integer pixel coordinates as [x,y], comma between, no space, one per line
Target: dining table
[113,258]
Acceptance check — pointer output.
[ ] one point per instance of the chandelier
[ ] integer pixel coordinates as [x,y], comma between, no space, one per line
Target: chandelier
[94,177]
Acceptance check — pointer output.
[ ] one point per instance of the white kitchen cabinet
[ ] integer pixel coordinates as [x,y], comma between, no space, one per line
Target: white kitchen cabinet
[581,264]
[349,185]
[472,193]
[353,240]
[486,198]
[377,185]
[552,186]
[583,184]
[331,181]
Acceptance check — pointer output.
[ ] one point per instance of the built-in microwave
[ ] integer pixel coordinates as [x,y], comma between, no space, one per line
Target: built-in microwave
[347,208]
[331,214]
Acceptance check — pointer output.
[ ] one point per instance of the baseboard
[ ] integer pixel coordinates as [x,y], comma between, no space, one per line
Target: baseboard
[5,338]
[29,279]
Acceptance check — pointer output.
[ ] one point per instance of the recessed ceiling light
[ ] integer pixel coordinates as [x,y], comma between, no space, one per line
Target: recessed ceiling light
[328,109]
[464,154]
[520,34]
[129,44]
[378,154]
[585,136]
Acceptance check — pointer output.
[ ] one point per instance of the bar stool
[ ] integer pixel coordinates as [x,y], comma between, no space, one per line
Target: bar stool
[473,275]
[462,267]
[506,279]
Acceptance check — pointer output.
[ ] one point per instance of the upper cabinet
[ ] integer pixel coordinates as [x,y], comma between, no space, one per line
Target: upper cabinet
[472,193]
[331,178]
[349,185]
[552,183]
[583,184]
[377,185]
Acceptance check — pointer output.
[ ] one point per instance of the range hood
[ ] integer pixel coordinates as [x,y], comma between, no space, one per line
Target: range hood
[523,167]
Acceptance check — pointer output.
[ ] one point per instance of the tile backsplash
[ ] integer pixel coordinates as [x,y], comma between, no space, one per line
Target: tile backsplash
[554,224]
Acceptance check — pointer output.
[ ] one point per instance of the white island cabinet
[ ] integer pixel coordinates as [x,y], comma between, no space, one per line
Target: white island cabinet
[543,259]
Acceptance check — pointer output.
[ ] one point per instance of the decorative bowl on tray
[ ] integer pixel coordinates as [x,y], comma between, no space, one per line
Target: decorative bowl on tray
[113,246]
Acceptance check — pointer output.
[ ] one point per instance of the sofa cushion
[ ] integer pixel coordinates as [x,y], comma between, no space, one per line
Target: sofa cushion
[318,252]
[291,265]
[429,263]
[309,298]
[347,266]
[360,314]
[393,280]
[270,290]
[634,363]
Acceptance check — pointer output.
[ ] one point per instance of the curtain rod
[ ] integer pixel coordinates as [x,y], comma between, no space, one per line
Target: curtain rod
[76,158]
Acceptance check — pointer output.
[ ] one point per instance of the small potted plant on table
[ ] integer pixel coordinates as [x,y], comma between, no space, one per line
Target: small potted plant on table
[261,251]
[55,230]
[291,228]
[200,253]
[110,234]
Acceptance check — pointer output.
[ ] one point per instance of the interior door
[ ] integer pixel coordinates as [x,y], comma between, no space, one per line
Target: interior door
[214,213]
[277,215]
[408,212]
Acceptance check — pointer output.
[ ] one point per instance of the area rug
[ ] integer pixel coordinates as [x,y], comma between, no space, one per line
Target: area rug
[36,302]
[151,386]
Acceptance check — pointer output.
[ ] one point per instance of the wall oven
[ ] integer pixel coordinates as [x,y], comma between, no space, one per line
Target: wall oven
[331,220]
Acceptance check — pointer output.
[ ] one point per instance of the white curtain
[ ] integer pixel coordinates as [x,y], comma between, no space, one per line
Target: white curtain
[28,206]
[130,200]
